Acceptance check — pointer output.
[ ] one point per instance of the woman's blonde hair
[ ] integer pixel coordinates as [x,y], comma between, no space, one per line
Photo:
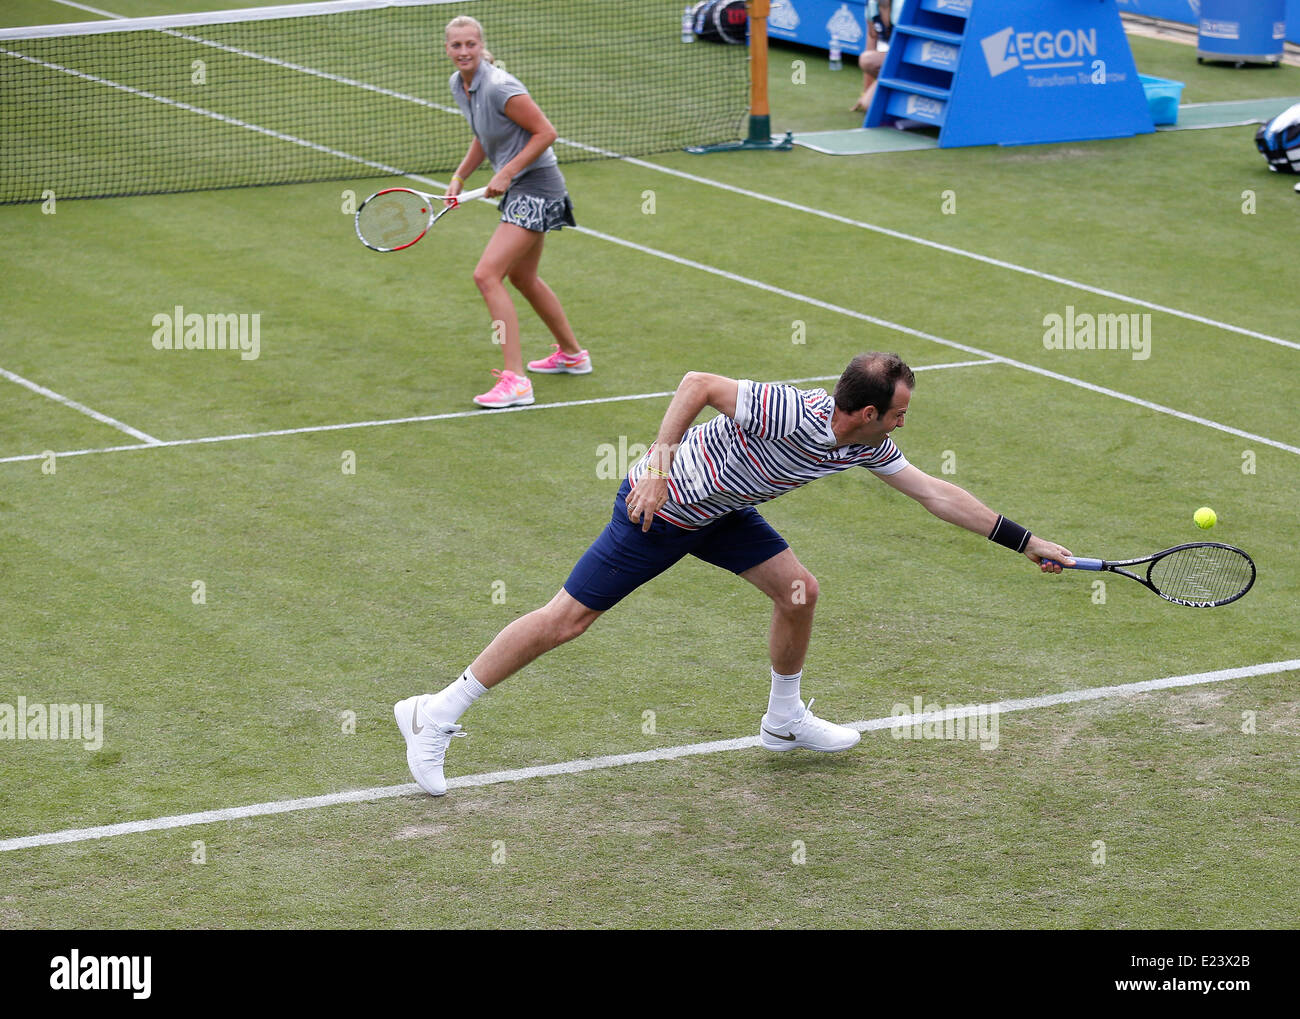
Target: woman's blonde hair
[465,21]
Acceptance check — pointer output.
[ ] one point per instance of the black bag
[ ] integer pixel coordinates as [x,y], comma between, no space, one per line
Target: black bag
[720,21]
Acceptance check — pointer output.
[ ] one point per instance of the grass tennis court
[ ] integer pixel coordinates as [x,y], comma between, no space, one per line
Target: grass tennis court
[326,595]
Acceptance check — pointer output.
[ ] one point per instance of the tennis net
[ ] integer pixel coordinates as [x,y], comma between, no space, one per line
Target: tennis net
[329,91]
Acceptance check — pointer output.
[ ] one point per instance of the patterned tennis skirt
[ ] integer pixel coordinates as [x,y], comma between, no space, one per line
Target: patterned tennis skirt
[538,201]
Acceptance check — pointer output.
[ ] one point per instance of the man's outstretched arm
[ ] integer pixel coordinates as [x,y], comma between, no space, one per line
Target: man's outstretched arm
[696,391]
[957,506]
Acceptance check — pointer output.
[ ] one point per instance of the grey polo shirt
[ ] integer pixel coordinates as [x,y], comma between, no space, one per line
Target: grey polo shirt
[485,109]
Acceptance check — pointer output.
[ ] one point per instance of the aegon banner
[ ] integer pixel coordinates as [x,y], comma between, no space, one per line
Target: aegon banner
[1044,71]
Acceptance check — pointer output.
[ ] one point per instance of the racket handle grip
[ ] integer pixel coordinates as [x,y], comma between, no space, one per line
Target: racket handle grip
[1080,563]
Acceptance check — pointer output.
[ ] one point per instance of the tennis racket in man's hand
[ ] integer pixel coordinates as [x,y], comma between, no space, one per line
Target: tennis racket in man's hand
[396,218]
[1202,574]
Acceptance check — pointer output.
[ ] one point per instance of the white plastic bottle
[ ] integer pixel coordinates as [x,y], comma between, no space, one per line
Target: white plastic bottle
[837,61]
[688,26]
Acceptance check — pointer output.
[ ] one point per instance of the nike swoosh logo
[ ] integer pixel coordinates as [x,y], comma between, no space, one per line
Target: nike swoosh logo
[416,727]
[788,739]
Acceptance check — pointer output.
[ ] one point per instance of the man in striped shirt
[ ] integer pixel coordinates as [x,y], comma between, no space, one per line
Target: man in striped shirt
[694,493]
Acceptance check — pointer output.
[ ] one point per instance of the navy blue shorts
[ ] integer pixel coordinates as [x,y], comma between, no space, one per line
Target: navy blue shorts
[624,557]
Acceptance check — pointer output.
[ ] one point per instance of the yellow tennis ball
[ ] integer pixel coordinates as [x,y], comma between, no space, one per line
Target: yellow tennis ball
[1205,518]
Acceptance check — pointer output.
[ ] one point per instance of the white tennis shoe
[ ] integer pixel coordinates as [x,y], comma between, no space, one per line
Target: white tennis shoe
[807,732]
[426,743]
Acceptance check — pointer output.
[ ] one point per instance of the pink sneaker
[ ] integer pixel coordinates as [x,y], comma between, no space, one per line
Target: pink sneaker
[559,363]
[511,390]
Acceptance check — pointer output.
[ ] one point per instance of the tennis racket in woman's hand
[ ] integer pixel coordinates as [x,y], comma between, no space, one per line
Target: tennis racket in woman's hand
[1202,574]
[396,218]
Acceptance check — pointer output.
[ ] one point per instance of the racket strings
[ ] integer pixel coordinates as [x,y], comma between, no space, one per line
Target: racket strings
[393,220]
[1202,575]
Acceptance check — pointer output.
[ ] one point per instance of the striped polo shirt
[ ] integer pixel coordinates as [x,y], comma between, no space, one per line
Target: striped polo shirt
[779,440]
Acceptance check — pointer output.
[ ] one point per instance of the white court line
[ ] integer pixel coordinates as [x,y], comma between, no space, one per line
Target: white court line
[163,444]
[909,331]
[962,252]
[710,182]
[782,292]
[277,62]
[92,10]
[203,112]
[710,269]
[149,440]
[228,16]
[757,284]
[621,760]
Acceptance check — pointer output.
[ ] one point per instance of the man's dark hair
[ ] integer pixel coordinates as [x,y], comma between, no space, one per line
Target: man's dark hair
[870,380]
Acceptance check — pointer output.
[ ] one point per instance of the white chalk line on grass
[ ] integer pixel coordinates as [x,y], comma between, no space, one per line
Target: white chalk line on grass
[307,429]
[658,168]
[961,252]
[620,760]
[920,334]
[147,439]
[92,10]
[202,111]
[746,281]
[725,274]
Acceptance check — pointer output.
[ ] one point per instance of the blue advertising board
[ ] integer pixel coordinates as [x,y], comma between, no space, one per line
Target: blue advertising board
[1012,72]
[815,22]
[1047,70]
[1189,12]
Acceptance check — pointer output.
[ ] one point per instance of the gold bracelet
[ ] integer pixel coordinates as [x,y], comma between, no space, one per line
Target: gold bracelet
[656,472]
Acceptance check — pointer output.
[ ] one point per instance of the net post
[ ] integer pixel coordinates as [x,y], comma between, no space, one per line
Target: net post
[760,114]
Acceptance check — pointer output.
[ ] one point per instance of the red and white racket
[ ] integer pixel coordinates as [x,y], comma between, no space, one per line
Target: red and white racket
[396,218]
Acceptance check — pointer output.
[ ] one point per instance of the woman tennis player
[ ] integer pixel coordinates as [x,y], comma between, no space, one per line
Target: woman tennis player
[516,137]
